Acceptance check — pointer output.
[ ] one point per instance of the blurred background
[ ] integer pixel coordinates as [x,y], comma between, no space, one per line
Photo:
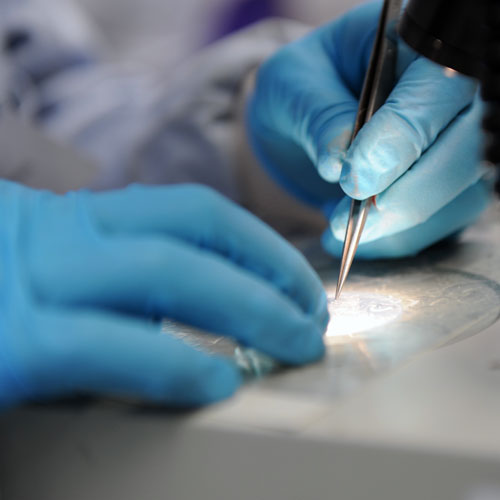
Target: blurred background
[141,29]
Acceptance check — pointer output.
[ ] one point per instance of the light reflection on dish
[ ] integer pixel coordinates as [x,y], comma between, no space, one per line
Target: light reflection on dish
[360,312]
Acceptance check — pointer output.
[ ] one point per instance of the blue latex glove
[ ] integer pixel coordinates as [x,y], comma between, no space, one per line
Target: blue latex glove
[301,116]
[83,274]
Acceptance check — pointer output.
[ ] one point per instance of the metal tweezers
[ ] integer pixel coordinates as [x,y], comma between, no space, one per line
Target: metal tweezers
[377,86]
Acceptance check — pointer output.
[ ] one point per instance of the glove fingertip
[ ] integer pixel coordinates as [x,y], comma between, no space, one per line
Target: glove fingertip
[330,166]
[331,244]
[338,222]
[321,313]
[357,179]
[302,344]
[314,348]
[221,379]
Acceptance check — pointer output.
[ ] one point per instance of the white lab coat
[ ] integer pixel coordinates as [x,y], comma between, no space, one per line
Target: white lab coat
[140,124]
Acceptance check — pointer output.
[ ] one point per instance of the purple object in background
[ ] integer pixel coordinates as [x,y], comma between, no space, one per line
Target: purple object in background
[241,13]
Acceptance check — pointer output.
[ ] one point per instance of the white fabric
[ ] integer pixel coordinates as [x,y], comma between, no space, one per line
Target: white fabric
[139,124]
[147,124]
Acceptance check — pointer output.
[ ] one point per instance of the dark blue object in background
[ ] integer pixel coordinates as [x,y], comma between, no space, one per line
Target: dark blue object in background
[242,13]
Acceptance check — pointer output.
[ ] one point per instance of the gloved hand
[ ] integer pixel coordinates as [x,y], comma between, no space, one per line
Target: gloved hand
[83,274]
[420,150]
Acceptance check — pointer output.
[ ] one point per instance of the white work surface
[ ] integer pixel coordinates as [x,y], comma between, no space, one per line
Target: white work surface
[426,427]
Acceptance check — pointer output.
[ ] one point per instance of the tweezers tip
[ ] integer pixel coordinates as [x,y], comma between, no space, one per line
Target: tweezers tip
[338,291]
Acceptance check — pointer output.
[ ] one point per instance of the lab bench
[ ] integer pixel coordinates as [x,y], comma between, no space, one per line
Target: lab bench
[404,408]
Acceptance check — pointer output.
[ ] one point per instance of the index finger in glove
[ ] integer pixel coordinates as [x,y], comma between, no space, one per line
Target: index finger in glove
[200,216]
[161,277]
[423,103]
